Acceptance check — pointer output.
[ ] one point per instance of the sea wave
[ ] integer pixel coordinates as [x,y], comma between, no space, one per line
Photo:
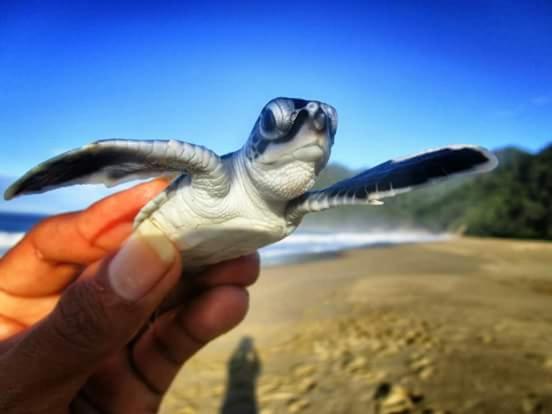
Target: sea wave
[302,246]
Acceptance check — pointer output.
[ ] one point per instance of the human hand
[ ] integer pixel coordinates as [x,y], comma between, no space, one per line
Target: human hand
[75,309]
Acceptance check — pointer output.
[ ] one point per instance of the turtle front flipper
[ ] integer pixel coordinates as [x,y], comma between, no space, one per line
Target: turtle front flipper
[113,162]
[395,177]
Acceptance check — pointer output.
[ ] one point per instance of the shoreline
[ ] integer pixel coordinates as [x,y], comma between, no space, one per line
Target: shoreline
[327,245]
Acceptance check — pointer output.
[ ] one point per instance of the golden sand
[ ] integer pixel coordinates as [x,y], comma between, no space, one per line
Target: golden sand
[463,326]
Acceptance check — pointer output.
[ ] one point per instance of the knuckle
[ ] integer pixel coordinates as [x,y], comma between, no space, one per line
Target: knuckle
[47,224]
[81,319]
[166,350]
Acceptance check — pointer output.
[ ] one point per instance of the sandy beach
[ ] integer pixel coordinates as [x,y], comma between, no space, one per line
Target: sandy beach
[461,326]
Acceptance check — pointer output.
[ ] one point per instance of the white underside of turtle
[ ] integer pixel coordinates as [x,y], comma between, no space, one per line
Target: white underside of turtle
[218,208]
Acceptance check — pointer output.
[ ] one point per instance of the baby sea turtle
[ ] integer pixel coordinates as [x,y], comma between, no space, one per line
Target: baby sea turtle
[221,207]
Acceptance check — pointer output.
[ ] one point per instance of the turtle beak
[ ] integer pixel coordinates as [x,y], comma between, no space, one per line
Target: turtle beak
[320,120]
[323,118]
[317,115]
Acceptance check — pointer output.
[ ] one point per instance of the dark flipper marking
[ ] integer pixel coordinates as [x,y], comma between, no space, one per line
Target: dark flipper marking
[112,162]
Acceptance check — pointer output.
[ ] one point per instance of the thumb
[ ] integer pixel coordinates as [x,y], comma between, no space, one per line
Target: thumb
[100,313]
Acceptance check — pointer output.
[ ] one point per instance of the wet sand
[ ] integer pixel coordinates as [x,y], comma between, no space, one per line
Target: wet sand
[462,326]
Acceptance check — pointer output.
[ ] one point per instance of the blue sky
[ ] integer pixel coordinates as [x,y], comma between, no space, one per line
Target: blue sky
[403,75]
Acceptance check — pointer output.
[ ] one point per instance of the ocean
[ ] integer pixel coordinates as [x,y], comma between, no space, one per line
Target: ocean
[301,246]
[13,226]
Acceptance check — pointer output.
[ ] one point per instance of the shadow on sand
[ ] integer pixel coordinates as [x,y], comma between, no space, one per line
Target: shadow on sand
[244,368]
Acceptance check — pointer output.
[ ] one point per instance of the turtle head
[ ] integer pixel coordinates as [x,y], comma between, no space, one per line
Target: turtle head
[289,145]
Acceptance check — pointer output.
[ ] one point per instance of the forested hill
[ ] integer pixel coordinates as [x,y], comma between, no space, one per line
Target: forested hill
[513,201]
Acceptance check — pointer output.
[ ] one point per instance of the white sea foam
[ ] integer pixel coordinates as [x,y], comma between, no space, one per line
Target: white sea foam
[7,240]
[302,245]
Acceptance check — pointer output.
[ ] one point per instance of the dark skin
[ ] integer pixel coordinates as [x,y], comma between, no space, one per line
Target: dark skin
[69,342]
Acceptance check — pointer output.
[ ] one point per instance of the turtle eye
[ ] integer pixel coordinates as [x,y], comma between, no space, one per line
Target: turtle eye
[268,122]
[332,113]
[276,119]
[333,123]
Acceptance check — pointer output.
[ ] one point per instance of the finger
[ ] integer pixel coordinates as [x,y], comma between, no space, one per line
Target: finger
[242,271]
[96,316]
[57,249]
[26,311]
[177,335]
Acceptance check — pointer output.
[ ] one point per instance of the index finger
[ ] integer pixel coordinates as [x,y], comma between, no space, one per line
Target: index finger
[54,252]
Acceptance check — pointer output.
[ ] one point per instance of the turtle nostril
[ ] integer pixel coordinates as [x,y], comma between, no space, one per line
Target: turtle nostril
[320,120]
[312,107]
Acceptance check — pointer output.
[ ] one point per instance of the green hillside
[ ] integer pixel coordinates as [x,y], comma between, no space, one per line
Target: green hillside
[512,201]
